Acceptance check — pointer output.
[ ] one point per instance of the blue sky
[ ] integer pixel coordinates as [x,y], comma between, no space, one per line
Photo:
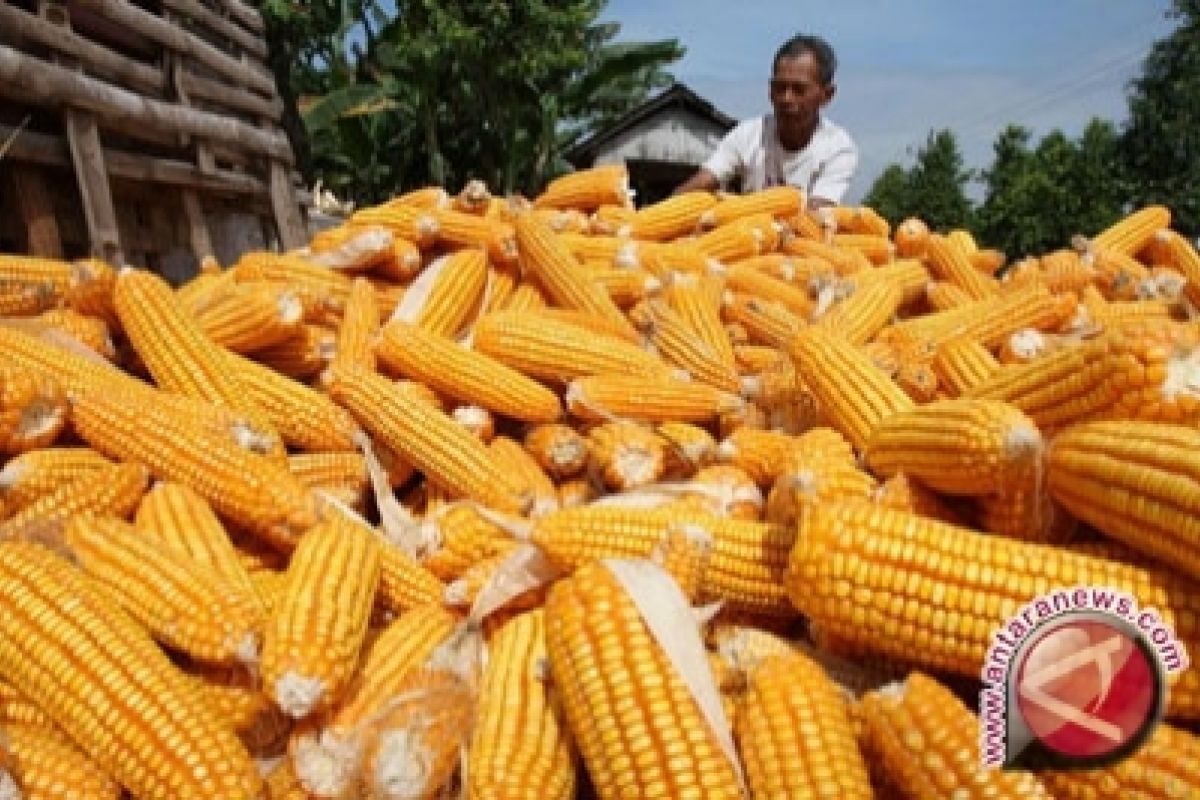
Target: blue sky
[906,68]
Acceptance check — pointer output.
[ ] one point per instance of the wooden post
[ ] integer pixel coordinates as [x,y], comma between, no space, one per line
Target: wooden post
[197,225]
[285,208]
[92,176]
[37,212]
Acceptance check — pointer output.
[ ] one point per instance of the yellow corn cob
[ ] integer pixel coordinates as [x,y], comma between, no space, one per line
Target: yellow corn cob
[177,517]
[795,736]
[1026,512]
[689,447]
[943,295]
[693,300]
[962,364]
[1061,270]
[1179,254]
[306,418]
[852,393]
[992,319]
[877,249]
[911,238]
[809,478]
[404,583]
[748,280]
[670,218]
[31,475]
[988,261]
[1024,345]
[1135,481]
[551,263]
[463,538]
[960,446]
[312,641]
[951,263]
[502,283]
[780,201]
[901,492]
[196,294]
[519,462]
[351,248]
[520,749]
[470,376]
[760,453]
[326,289]
[599,249]
[757,358]
[745,567]
[92,332]
[601,397]
[908,274]
[726,490]
[559,449]
[46,765]
[59,623]
[609,219]
[640,730]
[1133,232]
[113,490]
[251,316]
[624,286]
[767,322]
[1117,275]
[932,593]
[1166,765]
[234,693]
[417,223]
[750,235]
[564,220]
[525,297]
[183,602]
[662,258]
[426,438]
[456,293]
[929,743]
[303,356]
[864,313]
[17,708]
[476,419]
[1111,314]
[625,455]
[425,197]
[586,321]
[1139,371]
[247,489]
[402,265]
[678,343]
[30,285]
[360,323]
[402,647]
[587,189]
[843,261]
[576,492]
[33,410]
[548,349]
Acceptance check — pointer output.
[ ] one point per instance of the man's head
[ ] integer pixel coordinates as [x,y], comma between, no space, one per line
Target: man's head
[801,85]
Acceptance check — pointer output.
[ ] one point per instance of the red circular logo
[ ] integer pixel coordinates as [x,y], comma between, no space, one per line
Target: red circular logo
[1087,688]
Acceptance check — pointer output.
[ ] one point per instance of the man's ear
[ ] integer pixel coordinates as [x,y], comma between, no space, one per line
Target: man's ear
[830,91]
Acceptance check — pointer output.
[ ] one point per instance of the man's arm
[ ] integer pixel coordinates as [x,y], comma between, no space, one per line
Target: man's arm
[835,178]
[701,181]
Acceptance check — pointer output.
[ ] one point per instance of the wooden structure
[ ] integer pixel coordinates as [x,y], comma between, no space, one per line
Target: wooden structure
[661,142]
[136,131]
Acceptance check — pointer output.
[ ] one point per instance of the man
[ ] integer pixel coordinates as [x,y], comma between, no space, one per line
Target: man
[796,145]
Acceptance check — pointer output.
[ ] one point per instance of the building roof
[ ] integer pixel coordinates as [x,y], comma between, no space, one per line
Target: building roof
[677,95]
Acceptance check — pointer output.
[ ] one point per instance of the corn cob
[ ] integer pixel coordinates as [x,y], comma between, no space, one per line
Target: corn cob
[877,249]
[172,746]
[416,223]
[427,438]
[794,733]
[463,538]
[177,517]
[641,731]
[689,447]
[767,322]
[31,285]
[1026,512]
[1118,275]
[808,479]
[624,286]
[519,462]
[861,315]
[559,449]
[1139,371]
[33,410]
[911,237]
[747,236]
[245,488]
[455,294]
[943,295]
[548,349]
[961,446]
[851,391]
[564,220]
[304,355]
[598,249]
[404,583]
[184,603]
[950,263]
[928,742]
[625,455]
[520,749]
[251,317]
[46,765]
[465,374]
[908,274]
[359,325]
[1133,232]
[313,639]
[609,218]
[554,267]
[670,218]
[1166,765]
[425,197]
[902,493]
[1134,481]
[601,397]
[1179,253]
[112,490]
[31,475]
[525,297]
[728,491]
[760,453]
[351,248]
[588,322]
[745,279]
[962,364]
[933,593]
[91,332]
[587,189]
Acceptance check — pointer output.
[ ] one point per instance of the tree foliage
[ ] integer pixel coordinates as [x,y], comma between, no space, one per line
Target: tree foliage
[443,92]
[934,188]
[1161,143]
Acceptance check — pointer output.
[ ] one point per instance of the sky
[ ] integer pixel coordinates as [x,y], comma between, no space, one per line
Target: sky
[907,68]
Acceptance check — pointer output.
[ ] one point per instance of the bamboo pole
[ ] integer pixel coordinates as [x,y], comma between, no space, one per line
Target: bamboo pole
[219,25]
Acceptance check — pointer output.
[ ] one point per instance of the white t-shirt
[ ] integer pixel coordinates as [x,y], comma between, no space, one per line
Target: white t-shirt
[752,151]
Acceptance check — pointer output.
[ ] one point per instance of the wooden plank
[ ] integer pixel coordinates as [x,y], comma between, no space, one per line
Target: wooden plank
[202,15]
[197,225]
[37,212]
[94,58]
[201,88]
[92,176]
[179,40]
[53,151]
[28,79]
[285,208]
[244,14]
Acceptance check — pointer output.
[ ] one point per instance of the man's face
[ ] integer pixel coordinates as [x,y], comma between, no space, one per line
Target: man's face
[797,93]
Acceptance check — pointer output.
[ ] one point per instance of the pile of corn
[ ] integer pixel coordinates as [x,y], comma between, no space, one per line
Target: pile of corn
[554,498]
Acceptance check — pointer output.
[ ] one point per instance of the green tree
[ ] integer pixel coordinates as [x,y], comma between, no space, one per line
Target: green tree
[1161,142]
[1038,198]
[490,89]
[934,188]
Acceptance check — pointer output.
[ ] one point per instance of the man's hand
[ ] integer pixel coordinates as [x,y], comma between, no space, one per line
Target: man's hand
[701,181]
